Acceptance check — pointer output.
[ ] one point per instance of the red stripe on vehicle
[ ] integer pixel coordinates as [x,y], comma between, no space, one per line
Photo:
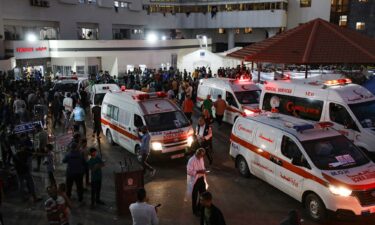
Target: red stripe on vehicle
[285,164]
[354,187]
[119,129]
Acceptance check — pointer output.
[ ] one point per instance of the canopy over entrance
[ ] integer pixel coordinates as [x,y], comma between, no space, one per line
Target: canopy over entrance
[315,42]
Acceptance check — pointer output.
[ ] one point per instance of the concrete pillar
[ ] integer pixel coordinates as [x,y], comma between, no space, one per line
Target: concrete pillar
[272,32]
[231,38]
[68,30]
[105,31]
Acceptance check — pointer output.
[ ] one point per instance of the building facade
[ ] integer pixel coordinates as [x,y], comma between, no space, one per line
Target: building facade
[227,23]
[358,15]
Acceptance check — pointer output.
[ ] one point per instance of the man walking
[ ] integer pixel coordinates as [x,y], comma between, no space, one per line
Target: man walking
[207,105]
[188,107]
[196,179]
[96,111]
[143,213]
[210,214]
[220,106]
[75,170]
[145,150]
[95,163]
[203,133]
[78,116]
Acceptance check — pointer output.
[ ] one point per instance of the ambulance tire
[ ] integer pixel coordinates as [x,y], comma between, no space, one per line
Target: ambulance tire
[315,207]
[137,153]
[109,138]
[242,167]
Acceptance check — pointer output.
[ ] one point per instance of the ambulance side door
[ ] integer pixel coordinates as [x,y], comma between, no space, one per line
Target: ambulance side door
[265,142]
[232,110]
[290,164]
[124,123]
[343,121]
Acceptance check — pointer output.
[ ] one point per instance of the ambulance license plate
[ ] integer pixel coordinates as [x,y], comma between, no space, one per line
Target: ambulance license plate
[178,156]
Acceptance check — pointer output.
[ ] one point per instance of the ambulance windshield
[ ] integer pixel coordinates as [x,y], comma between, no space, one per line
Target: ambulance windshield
[248,97]
[334,153]
[166,121]
[365,113]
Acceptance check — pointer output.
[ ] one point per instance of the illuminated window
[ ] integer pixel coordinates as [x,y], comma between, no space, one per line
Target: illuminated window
[221,31]
[305,3]
[343,21]
[237,31]
[360,26]
[248,30]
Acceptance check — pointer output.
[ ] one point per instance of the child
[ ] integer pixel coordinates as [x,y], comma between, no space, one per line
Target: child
[95,163]
[50,163]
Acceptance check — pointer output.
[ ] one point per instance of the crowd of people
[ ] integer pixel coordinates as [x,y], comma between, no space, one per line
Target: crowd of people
[29,101]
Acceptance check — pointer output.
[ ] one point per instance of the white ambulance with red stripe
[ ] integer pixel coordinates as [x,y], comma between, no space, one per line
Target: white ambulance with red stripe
[124,112]
[312,163]
[241,95]
[350,107]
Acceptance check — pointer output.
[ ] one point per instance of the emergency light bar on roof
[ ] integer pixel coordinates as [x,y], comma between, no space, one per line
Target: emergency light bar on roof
[338,82]
[146,96]
[303,127]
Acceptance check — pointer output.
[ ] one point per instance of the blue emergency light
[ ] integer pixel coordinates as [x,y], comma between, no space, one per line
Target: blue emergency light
[303,127]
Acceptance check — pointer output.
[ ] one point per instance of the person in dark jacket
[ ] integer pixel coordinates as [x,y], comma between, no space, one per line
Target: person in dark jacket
[74,171]
[210,214]
[56,108]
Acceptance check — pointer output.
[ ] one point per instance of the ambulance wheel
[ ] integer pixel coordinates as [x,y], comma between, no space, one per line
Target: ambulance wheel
[109,138]
[137,152]
[315,207]
[242,167]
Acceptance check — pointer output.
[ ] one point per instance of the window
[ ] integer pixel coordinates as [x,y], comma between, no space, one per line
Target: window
[138,122]
[121,4]
[248,30]
[80,69]
[231,100]
[360,26]
[339,114]
[221,31]
[216,92]
[304,108]
[93,69]
[290,149]
[125,117]
[112,112]
[343,21]
[305,3]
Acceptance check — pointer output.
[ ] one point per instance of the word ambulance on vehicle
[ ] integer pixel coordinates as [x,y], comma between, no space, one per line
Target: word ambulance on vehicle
[350,107]
[312,163]
[241,95]
[98,92]
[124,112]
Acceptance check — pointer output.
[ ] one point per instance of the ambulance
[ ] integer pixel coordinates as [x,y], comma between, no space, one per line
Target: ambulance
[124,112]
[310,162]
[241,95]
[98,92]
[350,107]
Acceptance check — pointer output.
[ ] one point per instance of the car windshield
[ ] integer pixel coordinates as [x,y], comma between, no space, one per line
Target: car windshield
[166,121]
[365,113]
[334,153]
[248,97]
[66,87]
[98,99]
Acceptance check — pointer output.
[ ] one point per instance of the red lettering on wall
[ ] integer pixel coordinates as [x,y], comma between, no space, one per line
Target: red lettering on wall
[22,50]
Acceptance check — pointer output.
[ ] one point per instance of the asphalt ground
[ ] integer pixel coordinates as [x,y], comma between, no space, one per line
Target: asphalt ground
[243,201]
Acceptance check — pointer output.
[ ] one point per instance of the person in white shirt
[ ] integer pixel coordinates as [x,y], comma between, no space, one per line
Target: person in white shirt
[196,179]
[68,108]
[143,213]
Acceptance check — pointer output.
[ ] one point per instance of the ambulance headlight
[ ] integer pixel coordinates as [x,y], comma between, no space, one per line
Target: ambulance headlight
[156,146]
[190,140]
[341,191]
